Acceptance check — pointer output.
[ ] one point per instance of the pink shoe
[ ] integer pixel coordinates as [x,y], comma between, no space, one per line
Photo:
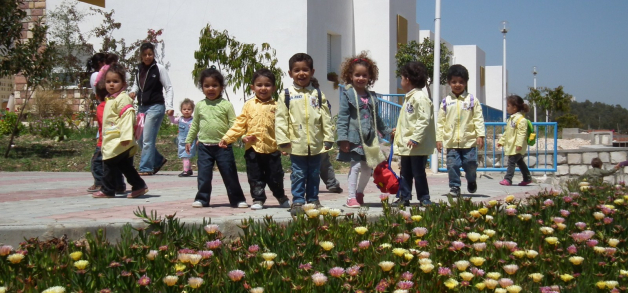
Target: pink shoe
[360,197]
[505,182]
[525,183]
[352,203]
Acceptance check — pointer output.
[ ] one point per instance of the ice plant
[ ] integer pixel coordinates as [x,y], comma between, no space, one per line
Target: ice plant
[55,289]
[613,242]
[419,231]
[462,265]
[170,280]
[212,229]
[551,240]
[257,290]
[451,283]
[15,258]
[334,212]
[76,255]
[269,256]
[319,279]
[326,245]
[479,246]
[205,254]
[491,283]
[151,254]
[457,245]
[214,244]
[509,198]
[513,289]
[531,253]
[236,275]
[466,276]
[386,265]
[444,271]
[364,244]
[399,251]
[360,230]
[566,277]
[525,217]
[267,264]
[547,230]
[426,268]
[494,275]
[308,206]
[416,218]
[312,213]
[353,271]
[505,282]
[81,264]
[195,282]
[254,248]
[536,277]
[405,284]
[336,272]
[402,237]
[144,281]
[473,236]
[477,260]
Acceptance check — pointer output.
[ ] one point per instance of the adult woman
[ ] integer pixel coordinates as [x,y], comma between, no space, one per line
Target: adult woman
[150,82]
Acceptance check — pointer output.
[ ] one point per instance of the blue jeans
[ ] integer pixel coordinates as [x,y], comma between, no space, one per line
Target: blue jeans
[467,159]
[151,158]
[413,168]
[207,156]
[305,178]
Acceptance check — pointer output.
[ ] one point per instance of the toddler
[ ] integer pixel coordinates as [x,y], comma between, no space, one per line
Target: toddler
[515,140]
[596,173]
[184,122]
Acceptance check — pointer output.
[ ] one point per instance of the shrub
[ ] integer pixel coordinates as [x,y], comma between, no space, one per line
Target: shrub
[54,128]
[7,123]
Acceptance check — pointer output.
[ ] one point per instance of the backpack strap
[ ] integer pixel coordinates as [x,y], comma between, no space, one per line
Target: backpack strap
[287,98]
[472,101]
[320,98]
[445,104]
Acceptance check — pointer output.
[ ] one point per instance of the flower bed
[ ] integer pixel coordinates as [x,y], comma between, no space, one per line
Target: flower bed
[551,242]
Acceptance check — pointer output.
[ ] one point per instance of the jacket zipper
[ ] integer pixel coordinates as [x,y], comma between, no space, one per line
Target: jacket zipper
[145,78]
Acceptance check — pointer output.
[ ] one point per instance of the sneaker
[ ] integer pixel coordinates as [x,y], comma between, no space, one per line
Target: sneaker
[257,205]
[94,188]
[335,189]
[243,205]
[525,183]
[187,173]
[352,203]
[472,187]
[284,202]
[505,182]
[100,194]
[359,196]
[138,193]
[426,202]
[159,168]
[197,204]
[317,204]
[146,173]
[121,190]
[454,191]
[296,208]
[400,203]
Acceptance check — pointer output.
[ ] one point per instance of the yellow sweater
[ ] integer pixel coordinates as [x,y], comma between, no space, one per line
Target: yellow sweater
[257,119]
[416,122]
[459,125]
[515,135]
[118,121]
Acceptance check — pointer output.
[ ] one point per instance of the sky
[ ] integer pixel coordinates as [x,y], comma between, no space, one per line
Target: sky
[579,44]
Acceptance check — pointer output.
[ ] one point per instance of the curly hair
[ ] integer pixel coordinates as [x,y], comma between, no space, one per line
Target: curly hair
[347,67]
[188,102]
[415,72]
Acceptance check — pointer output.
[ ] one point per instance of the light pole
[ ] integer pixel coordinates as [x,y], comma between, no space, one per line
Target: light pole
[436,78]
[534,72]
[504,29]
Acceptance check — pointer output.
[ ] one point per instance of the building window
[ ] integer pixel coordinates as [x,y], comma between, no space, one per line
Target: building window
[333,52]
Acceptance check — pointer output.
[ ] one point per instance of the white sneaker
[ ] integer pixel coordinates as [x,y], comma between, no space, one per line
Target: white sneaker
[243,204]
[257,206]
[197,204]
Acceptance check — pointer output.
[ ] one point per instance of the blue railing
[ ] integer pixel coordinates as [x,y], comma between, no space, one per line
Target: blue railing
[389,111]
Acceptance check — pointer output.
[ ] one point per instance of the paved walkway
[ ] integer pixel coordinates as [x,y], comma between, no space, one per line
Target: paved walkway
[47,204]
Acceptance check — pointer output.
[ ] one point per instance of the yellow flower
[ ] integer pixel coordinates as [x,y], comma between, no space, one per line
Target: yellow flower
[426,268]
[623,273]
[610,206]
[576,260]
[76,255]
[613,242]
[561,226]
[598,215]
[170,280]
[493,275]
[547,230]
[3,289]
[599,249]
[195,258]
[513,289]
[334,212]
[408,256]
[480,286]
[488,218]
[15,258]
[451,283]
[269,255]
[525,217]
[509,198]
[416,218]
[531,253]
[268,264]
[327,245]
[399,251]
[386,265]
[489,232]
[519,253]
[492,203]
[324,210]
[257,290]
[425,261]
[308,206]
[81,264]
[385,245]
[611,284]
[483,211]
[500,290]
[312,213]
[484,237]
[55,289]
[179,267]
[551,240]
[566,277]
[477,261]
[360,230]
[461,265]
[601,284]
[490,283]
[625,197]
[195,282]
[184,257]
[511,269]
[618,201]
[512,206]
[466,276]
[473,236]
[475,214]
[536,277]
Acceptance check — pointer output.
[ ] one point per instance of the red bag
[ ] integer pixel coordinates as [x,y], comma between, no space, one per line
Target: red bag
[385,178]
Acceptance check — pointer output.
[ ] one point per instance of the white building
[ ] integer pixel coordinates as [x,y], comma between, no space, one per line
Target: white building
[494,92]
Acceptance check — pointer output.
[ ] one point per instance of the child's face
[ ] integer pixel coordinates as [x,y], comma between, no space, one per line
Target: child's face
[113,82]
[511,109]
[263,88]
[187,110]
[406,85]
[457,84]
[148,56]
[211,88]
[301,73]
[360,77]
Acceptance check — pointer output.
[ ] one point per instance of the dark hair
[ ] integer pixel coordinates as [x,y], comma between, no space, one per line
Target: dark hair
[415,72]
[347,67]
[101,91]
[265,72]
[118,69]
[145,46]
[187,101]
[303,57]
[93,63]
[211,72]
[596,163]
[459,71]
[517,101]
[111,58]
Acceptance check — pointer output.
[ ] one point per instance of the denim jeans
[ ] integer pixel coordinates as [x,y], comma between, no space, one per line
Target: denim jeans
[520,162]
[413,168]
[98,171]
[151,158]
[327,172]
[207,156]
[122,163]
[465,158]
[305,178]
[262,170]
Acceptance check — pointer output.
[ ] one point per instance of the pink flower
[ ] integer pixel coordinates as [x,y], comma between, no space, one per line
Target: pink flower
[480,246]
[510,244]
[548,202]
[511,212]
[212,229]
[383,197]
[364,244]
[406,215]
[163,248]
[306,266]
[477,272]
[581,225]
[564,213]
[498,244]
[205,254]
[457,245]
[606,210]
[444,271]
[353,271]
[419,231]
[144,281]
[610,251]
[592,243]
[505,282]
[407,276]
[319,279]
[402,237]
[567,199]
[214,244]
[254,248]
[405,285]
[559,220]
[572,249]
[336,272]
[236,275]
[5,250]
[579,237]
[588,233]
[422,243]
[608,220]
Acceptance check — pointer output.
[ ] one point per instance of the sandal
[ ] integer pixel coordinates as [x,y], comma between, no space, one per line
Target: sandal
[146,173]
[159,168]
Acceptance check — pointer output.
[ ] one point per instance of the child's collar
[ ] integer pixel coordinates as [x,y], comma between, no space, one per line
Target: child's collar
[262,101]
[462,95]
[412,91]
[300,88]
[115,95]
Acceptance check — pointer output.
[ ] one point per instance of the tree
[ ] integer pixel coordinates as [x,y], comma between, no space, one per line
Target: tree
[31,57]
[551,100]
[424,53]
[238,60]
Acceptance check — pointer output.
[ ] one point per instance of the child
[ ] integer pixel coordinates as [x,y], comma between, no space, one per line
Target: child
[597,173]
[515,141]
[358,124]
[118,145]
[263,160]
[184,122]
[212,118]
[460,129]
[303,126]
[415,137]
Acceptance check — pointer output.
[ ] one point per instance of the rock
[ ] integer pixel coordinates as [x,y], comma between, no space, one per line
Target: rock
[618,157]
[574,159]
[562,159]
[605,157]
[563,170]
[530,161]
[577,169]
[587,157]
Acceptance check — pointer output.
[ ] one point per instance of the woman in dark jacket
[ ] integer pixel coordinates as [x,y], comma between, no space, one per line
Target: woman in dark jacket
[150,82]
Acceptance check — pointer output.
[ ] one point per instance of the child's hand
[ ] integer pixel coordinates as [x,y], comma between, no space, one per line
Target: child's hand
[170,112]
[411,143]
[344,146]
[392,134]
[250,138]
[132,95]
[284,153]
[125,143]
[223,144]
[187,148]
[439,146]
[518,148]
[618,166]
[499,145]
[480,142]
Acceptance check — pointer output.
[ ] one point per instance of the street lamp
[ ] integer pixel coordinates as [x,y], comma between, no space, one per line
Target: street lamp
[504,29]
[534,73]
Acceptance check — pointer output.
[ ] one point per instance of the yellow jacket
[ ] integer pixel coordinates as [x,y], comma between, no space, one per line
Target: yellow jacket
[515,135]
[257,119]
[306,125]
[459,124]
[118,121]
[416,122]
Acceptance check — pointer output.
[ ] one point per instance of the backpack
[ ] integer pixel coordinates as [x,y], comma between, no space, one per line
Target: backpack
[385,178]
[445,103]
[318,91]
[531,135]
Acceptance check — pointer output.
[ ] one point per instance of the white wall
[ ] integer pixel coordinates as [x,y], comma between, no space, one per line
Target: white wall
[494,87]
[372,35]
[472,57]
[407,9]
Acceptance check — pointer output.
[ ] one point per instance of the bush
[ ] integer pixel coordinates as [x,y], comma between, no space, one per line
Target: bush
[7,123]
[54,128]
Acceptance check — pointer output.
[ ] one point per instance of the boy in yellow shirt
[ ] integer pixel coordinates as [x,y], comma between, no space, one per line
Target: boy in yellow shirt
[460,129]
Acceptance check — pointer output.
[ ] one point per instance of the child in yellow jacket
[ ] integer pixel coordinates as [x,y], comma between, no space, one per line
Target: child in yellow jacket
[257,123]
[303,129]
[460,129]
[515,140]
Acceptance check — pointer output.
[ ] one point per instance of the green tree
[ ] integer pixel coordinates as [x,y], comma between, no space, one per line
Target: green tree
[236,59]
[553,101]
[424,53]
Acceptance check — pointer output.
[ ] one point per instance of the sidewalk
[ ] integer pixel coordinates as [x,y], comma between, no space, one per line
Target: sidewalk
[38,204]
